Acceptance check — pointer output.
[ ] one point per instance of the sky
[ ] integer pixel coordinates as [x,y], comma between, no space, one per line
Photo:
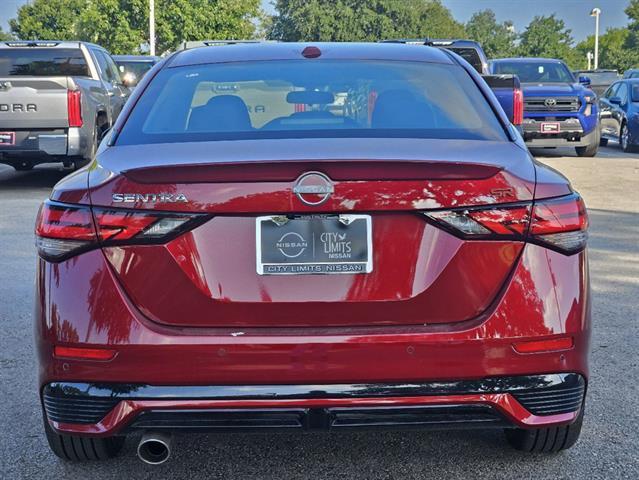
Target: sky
[575,13]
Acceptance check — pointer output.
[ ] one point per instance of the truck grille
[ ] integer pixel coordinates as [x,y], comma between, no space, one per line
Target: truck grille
[551,104]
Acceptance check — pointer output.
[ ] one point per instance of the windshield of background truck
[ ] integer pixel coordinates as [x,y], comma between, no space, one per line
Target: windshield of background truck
[536,72]
[42,62]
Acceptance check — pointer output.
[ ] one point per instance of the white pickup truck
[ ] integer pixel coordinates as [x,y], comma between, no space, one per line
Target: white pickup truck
[57,100]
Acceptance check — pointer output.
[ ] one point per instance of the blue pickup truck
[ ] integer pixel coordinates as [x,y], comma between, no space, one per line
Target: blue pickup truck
[559,110]
[505,87]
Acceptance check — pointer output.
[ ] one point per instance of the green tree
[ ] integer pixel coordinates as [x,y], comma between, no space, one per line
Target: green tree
[361,20]
[48,20]
[631,44]
[121,26]
[497,39]
[5,35]
[183,20]
[612,50]
[547,36]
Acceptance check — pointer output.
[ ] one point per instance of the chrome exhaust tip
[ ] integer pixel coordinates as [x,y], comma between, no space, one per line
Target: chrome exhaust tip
[154,448]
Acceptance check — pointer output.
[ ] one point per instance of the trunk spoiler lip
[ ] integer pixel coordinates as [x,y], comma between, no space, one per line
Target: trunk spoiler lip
[290,170]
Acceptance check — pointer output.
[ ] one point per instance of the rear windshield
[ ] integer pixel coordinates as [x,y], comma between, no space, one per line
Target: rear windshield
[317,98]
[42,62]
[137,68]
[470,55]
[536,72]
[601,78]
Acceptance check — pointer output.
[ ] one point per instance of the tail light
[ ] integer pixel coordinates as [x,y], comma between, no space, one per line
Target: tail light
[65,230]
[559,223]
[485,223]
[518,106]
[74,108]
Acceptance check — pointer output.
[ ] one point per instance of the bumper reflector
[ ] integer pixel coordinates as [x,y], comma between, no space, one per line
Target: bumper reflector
[83,353]
[538,346]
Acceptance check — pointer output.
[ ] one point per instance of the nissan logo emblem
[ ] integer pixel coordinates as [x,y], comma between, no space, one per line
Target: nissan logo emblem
[550,102]
[313,188]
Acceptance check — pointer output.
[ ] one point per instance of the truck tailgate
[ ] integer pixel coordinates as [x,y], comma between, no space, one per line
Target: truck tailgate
[33,103]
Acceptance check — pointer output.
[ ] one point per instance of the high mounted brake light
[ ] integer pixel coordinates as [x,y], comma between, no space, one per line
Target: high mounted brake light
[559,223]
[63,230]
[31,44]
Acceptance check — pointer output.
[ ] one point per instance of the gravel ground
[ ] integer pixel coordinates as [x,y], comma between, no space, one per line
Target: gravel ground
[608,448]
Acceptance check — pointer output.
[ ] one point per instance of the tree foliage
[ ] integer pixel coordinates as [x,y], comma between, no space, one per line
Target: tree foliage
[631,43]
[612,51]
[5,35]
[361,20]
[547,36]
[497,39]
[48,20]
[121,26]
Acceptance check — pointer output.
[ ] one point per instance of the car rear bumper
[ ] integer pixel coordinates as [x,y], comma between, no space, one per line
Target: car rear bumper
[570,135]
[42,146]
[520,401]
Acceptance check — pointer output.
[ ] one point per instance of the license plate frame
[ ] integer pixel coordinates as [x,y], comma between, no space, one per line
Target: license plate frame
[7,139]
[548,128]
[314,244]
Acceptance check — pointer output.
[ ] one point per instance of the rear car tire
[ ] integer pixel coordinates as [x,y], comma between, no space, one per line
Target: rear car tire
[82,449]
[589,150]
[624,140]
[603,142]
[545,440]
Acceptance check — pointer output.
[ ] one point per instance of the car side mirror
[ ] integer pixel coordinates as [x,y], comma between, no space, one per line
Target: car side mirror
[585,80]
[615,100]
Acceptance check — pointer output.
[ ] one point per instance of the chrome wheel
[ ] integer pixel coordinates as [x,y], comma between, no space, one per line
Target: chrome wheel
[624,138]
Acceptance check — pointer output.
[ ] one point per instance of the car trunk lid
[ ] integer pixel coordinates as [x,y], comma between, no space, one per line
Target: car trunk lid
[210,276]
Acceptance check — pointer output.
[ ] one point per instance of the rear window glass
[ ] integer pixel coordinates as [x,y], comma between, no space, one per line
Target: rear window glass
[318,98]
[136,68]
[635,92]
[42,62]
[601,78]
[535,72]
[470,55]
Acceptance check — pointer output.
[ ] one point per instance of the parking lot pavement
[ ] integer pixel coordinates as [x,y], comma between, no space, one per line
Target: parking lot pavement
[608,447]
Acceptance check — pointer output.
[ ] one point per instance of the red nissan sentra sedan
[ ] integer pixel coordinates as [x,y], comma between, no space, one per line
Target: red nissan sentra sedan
[300,237]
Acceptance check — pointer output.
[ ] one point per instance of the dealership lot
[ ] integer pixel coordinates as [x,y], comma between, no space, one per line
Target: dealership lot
[607,448]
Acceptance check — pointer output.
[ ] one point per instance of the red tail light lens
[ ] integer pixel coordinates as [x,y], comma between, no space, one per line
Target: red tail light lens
[65,230]
[559,223]
[74,108]
[485,223]
[518,106]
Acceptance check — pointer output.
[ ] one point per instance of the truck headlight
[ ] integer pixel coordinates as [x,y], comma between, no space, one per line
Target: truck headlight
[590,100]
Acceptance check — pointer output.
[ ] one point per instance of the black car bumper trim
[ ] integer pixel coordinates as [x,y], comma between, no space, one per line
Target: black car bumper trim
[88,403]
